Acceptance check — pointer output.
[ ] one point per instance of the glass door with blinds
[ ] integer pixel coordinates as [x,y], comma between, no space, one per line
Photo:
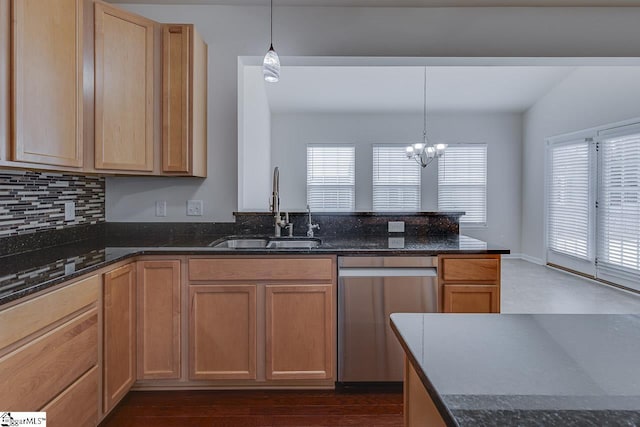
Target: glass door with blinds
[618,206]
[593,205]
[570,203]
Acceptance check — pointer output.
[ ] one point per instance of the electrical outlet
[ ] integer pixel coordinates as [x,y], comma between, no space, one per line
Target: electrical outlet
[396,242]
[396,226]
[161,208]
[70,268]
[69,211]
[194,208]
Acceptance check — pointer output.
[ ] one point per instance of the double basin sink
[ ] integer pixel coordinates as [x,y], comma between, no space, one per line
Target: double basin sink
[235,242]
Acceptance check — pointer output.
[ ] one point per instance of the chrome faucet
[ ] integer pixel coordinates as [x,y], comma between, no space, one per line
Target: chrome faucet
[310,225]
[275,206]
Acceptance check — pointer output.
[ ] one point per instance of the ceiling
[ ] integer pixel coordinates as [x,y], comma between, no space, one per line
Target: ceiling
[402,3]
[400,89]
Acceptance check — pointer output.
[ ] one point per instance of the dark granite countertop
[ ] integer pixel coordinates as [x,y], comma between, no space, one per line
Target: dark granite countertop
[30,272]
[527,370]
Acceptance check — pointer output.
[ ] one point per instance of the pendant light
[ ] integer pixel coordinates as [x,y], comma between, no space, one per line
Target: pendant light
[271,64]
[422,152]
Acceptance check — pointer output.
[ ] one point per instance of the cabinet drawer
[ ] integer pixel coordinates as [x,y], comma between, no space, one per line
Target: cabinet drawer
[35,373]
[79,403]
[29,317]
[261,269]
[470,269]
[471,299]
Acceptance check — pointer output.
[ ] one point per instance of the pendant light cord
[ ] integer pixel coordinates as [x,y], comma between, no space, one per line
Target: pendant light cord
[271,31]
[424,125]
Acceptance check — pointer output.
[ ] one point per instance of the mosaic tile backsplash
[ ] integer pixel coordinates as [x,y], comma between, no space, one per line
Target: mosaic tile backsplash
[34,201]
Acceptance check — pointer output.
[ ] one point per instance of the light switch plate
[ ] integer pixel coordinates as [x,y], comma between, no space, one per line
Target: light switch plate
[194,207]
[69,211]
[161,208]
[396,226]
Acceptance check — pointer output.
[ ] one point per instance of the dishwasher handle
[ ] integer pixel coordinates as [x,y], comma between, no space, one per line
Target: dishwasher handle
[388,272]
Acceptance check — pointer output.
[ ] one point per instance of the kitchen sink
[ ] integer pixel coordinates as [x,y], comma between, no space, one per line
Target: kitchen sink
[266,243]
[239,243]
[294,244]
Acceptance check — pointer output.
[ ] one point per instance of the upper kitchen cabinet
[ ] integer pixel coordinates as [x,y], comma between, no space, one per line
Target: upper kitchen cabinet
[47,81]
[184,101]
[5,49]
[124,83]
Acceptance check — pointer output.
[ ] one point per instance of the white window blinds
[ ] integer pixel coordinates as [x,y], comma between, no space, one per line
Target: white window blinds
[396,179]
[331,177]
[568,199]
[462,181]
[619,204]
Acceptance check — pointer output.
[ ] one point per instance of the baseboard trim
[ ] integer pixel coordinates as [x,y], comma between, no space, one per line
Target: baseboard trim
[524,257]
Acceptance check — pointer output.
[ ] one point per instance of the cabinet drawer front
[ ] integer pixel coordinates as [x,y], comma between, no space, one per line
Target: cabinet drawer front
[79,403]
[31,316]
[261,269]
[471,269]
[40,370]
[471,299]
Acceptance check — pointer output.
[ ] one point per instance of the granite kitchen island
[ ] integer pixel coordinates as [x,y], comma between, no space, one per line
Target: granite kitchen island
[520,369]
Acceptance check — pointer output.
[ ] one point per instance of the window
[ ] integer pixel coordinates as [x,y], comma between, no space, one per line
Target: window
[396,179]
[331,177]
[462,182]
[569,199]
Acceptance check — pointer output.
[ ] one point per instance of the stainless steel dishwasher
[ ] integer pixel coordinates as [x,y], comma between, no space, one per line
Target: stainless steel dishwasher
[369,290]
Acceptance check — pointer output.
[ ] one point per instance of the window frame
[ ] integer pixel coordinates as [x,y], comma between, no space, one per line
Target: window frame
[352,185]
[374,165]
[469,224]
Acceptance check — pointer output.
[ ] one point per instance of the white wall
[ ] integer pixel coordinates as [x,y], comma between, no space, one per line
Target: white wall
[501,131]
[589,97]
[254,142]
[327,31]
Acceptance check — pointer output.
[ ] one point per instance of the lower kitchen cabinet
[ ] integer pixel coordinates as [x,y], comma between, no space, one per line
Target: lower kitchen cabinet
[299,332]
[471,299]
[159,340]
[119,334]
[222,332]
[49,354]
[262,321]
[469,283]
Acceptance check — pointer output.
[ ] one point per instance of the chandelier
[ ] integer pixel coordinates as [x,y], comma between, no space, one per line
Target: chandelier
[423,152]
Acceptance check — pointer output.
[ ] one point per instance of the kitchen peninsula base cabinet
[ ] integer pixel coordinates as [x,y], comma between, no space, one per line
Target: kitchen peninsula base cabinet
[469,283]
[49,354]
[262,321]
[119,333]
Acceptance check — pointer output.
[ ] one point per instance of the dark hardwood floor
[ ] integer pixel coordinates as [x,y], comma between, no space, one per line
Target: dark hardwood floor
[343,407]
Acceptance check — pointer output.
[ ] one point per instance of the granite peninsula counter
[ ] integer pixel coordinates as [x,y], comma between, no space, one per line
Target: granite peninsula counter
[521,369]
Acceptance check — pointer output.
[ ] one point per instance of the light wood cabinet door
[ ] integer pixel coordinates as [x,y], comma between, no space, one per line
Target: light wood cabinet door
[222,332]
[471,299]
[184,101]
[123,90]
[119,334]
[158,319]
[47,82]
[300,332]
